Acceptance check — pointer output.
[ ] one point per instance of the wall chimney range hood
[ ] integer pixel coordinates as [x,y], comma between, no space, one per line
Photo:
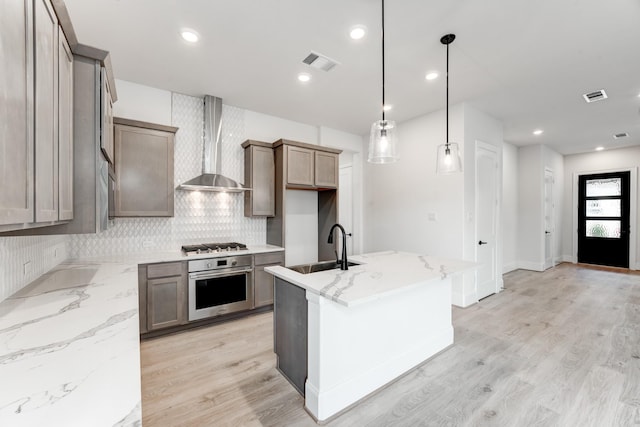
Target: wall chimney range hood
[210,179]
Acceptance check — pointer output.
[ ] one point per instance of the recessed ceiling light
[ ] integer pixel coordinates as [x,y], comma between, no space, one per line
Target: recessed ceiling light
[538,132]
[599,148]
[387,107]
[357,32]
[189,36]
[431,76]
[304,77]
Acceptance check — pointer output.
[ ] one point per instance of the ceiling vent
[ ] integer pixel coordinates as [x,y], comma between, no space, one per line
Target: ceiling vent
[320,61]
[620,135]
[598,95]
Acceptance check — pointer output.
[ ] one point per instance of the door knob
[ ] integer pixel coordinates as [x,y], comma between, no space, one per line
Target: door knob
[480,242]
[547,232]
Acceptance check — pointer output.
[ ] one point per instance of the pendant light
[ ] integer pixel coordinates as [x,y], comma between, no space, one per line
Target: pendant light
[449,152]
[382,141]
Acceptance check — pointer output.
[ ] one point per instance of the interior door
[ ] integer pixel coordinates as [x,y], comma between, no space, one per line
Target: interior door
[603,219]
[548,219]
[486,225]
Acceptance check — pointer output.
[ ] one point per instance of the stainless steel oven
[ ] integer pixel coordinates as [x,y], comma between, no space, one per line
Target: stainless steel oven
[220,286]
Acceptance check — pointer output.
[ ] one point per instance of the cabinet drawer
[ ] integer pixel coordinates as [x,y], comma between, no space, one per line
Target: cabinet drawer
[164,269]
[269,258]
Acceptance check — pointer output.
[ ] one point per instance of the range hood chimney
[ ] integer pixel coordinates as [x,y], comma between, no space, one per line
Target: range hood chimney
[211,180]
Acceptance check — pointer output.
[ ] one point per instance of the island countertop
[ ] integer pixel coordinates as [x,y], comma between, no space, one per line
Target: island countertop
[377,275]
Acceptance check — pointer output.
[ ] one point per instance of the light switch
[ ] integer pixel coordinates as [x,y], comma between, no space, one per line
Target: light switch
[431,216]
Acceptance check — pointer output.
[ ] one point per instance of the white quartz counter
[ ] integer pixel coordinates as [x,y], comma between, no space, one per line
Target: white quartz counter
[378,275]
[70,344]
[69,349]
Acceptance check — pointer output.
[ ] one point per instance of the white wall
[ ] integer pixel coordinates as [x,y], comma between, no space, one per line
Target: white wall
[608,160]
[509,212]
[400,197]
[144,103]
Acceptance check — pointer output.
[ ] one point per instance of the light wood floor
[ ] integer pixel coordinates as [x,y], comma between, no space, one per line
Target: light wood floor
[559,348]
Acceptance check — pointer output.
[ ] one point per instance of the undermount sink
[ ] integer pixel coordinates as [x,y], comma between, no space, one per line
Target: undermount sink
[318,266]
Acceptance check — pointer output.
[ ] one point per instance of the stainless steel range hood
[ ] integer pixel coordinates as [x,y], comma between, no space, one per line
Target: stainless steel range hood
[211,180]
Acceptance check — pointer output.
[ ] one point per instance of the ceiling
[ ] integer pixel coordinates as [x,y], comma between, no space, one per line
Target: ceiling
[524,62]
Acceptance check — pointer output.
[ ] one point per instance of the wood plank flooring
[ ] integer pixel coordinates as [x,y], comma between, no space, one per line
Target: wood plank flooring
[559,348]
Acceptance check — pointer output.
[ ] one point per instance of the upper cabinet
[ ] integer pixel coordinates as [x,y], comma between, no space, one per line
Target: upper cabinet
[144,169]
[37,137]
[307,166]
[16,113]
[65,129]
[259,175]
[52,172]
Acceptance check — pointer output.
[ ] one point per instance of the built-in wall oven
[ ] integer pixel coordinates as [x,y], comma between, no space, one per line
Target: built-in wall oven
[220,286]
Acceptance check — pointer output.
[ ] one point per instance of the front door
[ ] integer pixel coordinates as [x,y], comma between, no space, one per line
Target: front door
[603,219]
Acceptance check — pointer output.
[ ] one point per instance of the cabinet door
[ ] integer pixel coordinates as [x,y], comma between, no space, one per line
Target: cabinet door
[263,287]
[46,111]
[65,129]
[260,176]
[144,172]
[326,171]
[16,112]
[165,302]
[300,166]
[106,125]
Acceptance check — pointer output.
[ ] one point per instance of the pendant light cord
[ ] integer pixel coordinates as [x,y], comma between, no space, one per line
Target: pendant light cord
[383,119]
[447,140]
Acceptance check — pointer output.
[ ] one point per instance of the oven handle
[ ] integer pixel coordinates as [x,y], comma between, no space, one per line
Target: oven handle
[209,274]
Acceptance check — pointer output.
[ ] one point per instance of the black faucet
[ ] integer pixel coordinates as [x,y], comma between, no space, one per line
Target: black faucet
[344,265]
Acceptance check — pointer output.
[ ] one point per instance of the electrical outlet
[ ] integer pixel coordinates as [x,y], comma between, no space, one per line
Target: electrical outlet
[431,216]
[147,243]
[55,252]
[26,269]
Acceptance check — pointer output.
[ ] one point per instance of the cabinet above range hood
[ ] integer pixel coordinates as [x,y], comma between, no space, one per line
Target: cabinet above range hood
[211,179]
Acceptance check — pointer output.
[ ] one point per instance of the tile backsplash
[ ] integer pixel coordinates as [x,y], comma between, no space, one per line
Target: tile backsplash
[24,259]
[199,216]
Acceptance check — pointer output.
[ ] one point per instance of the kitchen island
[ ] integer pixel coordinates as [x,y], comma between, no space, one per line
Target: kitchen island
[363,327]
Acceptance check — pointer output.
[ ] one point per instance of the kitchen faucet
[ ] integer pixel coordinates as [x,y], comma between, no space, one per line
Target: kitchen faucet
[344,265]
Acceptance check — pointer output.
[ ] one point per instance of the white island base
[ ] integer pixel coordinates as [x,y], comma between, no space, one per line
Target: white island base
[355,350]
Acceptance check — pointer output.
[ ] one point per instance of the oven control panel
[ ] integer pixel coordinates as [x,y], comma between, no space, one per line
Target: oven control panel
[220,263]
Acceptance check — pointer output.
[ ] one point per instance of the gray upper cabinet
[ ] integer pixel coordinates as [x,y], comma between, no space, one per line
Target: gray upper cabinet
[326,169]
[259,175]
[308,166]
[16,113]
[300,169]
[144,169]
[65,129]
[46,111]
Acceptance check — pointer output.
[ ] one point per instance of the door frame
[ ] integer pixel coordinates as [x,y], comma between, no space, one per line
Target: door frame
[497,262]
[633,211]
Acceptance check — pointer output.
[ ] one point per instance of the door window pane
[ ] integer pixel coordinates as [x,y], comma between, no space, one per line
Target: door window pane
[610,229]
[603,207]
[604,187]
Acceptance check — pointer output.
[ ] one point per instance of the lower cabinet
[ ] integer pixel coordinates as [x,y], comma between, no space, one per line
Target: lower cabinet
[263,281]
[163,295]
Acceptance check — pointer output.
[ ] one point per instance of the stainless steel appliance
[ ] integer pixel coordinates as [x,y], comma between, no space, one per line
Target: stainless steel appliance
[220,285]
[209,248]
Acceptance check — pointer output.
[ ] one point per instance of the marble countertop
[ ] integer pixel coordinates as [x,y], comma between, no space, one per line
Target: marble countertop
[378,275]
[70,349]
[70,343]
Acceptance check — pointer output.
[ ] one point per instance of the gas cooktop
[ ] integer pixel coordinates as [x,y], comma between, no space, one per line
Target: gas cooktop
[211,248]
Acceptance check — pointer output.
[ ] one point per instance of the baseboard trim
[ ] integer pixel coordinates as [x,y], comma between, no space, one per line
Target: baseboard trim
[506,268]
[534,266]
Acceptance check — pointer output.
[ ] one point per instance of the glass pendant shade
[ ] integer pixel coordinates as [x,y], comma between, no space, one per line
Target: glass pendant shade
[448,159]
[383,142]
